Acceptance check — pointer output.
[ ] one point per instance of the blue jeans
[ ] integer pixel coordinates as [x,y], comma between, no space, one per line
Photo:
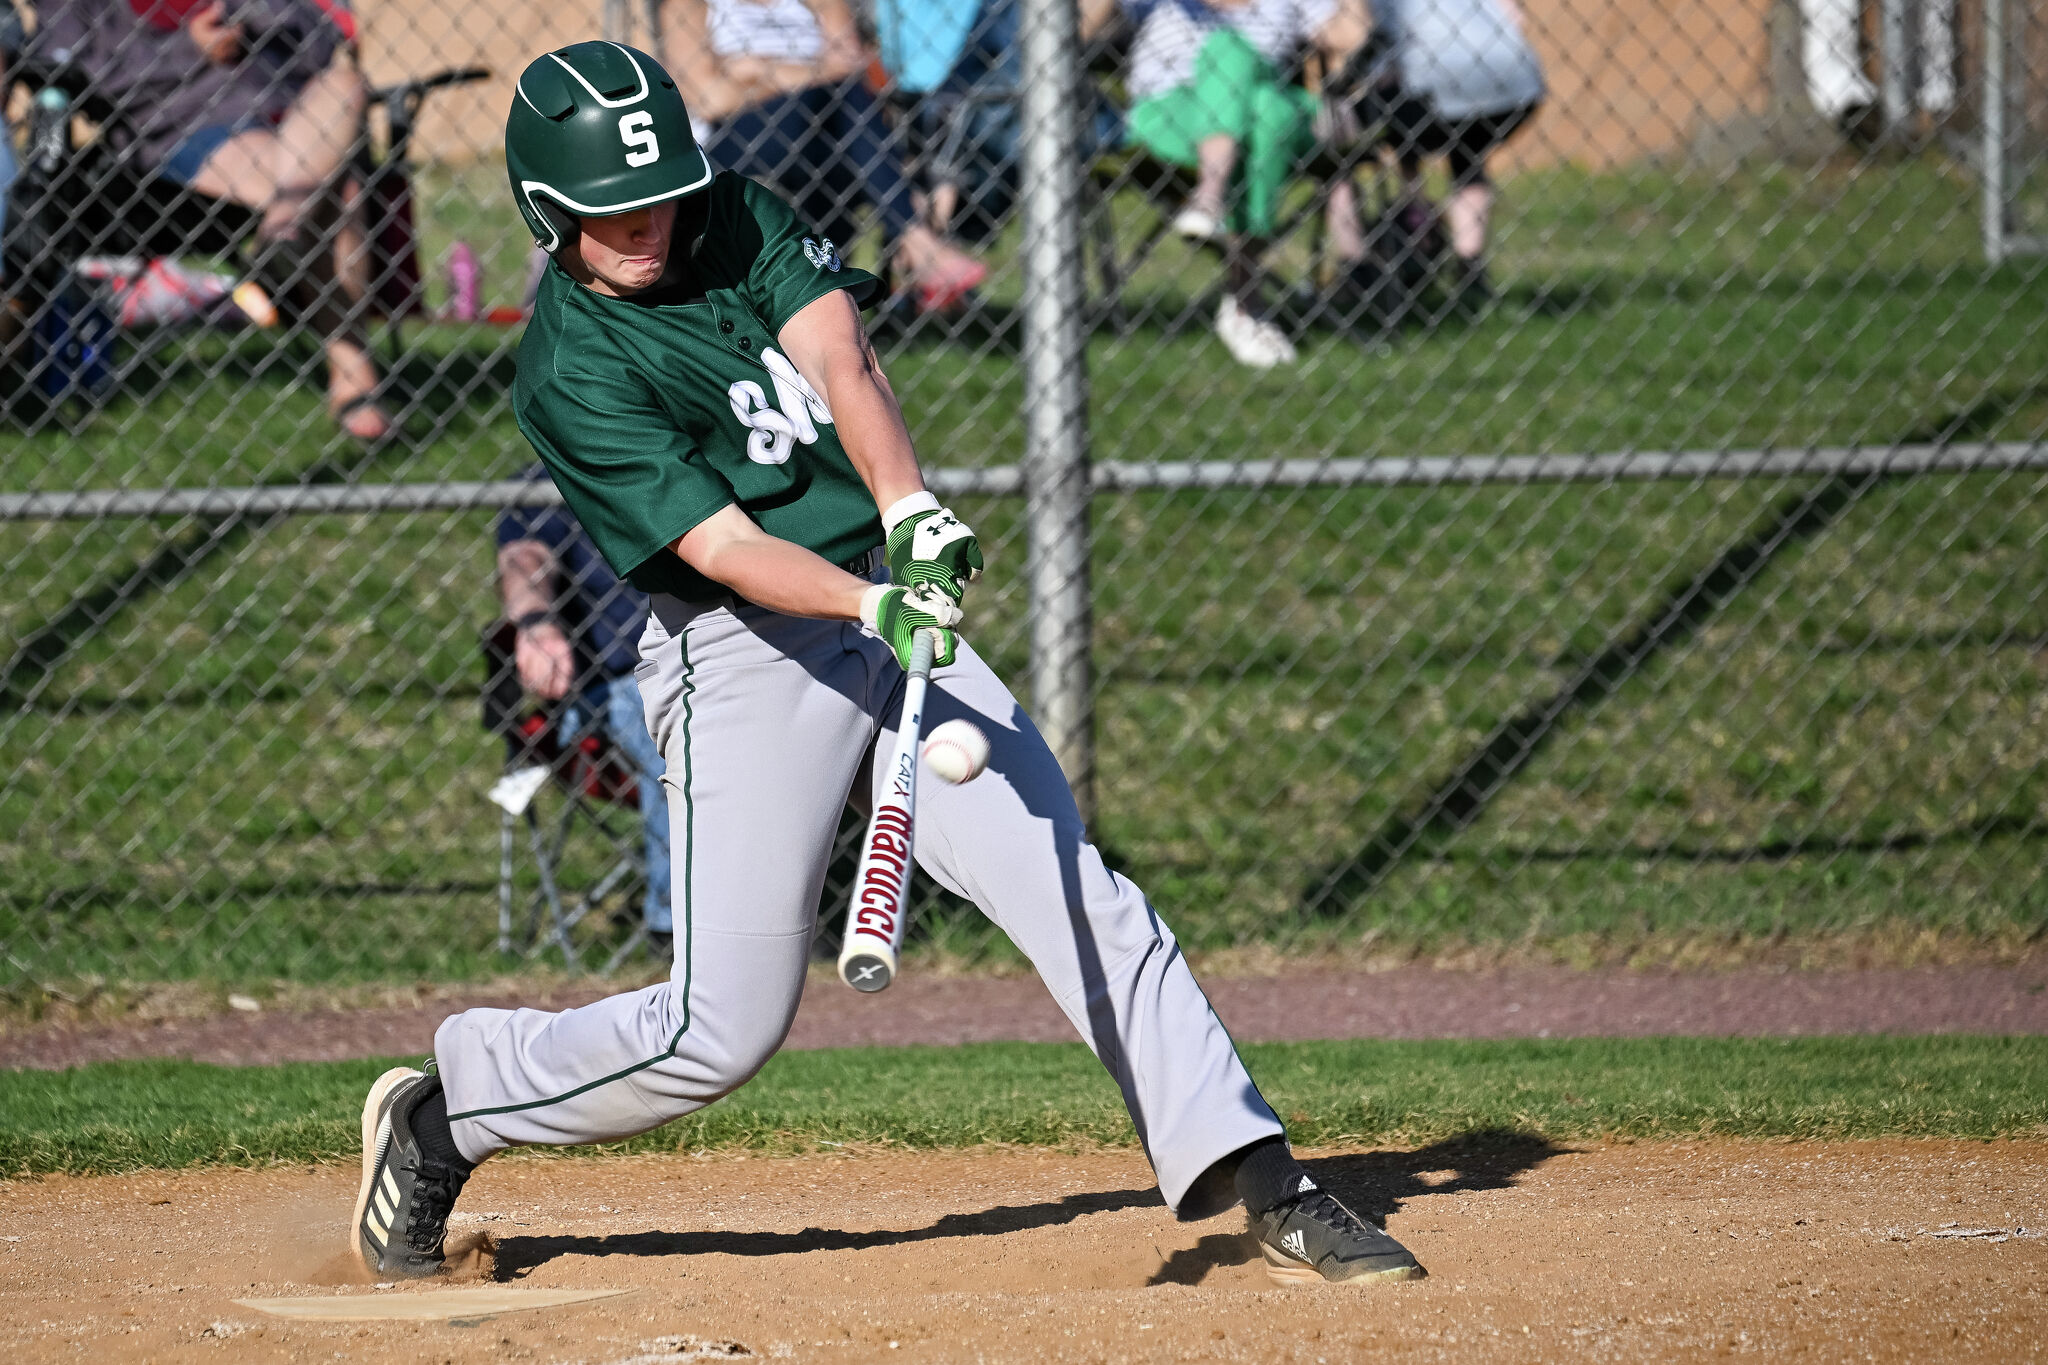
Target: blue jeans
[827,148]
[190,156]
[613,708]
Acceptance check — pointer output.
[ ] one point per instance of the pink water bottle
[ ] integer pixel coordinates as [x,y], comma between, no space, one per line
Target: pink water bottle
[465,282]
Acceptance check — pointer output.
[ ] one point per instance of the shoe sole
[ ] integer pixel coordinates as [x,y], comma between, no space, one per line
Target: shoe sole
[375,1129]
[1283,1269]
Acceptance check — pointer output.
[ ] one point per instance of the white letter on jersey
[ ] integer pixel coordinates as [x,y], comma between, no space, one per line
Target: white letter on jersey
[774,436]
[800,402]
[637,130]
[777,430]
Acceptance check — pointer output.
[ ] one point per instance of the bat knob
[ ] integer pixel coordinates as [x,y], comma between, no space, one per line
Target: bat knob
[867,972]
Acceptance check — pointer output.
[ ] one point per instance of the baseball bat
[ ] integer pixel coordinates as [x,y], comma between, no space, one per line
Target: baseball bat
[880,904]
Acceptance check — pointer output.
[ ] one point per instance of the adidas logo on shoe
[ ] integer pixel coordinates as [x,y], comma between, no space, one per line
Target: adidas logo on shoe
[1294,1244]
[1305,1186]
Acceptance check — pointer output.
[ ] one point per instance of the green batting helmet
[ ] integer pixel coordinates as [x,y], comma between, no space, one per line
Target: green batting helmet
[597,129]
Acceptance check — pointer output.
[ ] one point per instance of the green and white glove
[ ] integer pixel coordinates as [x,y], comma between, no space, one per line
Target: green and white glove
[898,614]
[930,548]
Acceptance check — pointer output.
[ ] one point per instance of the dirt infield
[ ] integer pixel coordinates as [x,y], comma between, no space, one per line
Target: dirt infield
[1865,1251]
[1405,1002]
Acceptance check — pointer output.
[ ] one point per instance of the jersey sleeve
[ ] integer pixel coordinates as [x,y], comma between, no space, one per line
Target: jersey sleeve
[793,265]
[634,480]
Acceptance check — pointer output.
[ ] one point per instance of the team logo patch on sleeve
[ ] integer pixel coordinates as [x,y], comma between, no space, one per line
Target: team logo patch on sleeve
[823,255]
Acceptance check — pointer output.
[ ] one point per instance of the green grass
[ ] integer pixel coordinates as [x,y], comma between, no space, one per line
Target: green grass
[268,766]
[120,1116]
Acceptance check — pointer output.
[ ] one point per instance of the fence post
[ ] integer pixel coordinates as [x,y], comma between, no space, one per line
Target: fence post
[1993,131]
[1056,478]
[1898,51]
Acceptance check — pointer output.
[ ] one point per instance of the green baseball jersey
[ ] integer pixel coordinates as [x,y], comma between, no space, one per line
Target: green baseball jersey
[655,411]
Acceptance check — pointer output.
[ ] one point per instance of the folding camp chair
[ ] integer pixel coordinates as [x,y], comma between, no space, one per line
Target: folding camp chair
[579,804]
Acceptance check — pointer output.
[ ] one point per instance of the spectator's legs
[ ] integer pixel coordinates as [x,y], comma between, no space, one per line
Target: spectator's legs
[1468,213]
[1276,134]
[861,140]
[1341,220]
[829,144]
[293,174]
[991,63]
[1937,55]
[1832,51]
[1470,207]
[1203,125]
[626,723]
[1215,164]
[863,143]
[770,141]
[1234,120]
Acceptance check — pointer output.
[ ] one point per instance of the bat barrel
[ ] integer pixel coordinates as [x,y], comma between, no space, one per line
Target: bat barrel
[881,886]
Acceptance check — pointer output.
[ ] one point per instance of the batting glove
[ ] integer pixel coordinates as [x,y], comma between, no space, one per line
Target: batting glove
[898,614]
[930,548]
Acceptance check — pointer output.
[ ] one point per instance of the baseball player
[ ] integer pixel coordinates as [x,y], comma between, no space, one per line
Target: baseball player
[697,380]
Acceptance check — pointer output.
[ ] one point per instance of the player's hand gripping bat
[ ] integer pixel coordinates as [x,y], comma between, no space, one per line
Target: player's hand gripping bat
[880,903]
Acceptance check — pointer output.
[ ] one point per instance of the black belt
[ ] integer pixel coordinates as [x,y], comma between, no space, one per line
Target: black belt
[865,563]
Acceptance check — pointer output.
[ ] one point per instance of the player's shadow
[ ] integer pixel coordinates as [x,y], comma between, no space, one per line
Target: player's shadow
[1376,1184]
[518,1255]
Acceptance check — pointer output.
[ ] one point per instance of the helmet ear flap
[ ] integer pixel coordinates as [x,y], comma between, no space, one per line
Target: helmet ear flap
[556,219]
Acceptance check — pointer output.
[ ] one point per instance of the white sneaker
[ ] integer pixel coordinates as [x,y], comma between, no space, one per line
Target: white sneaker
[1197,224]
[1252,340]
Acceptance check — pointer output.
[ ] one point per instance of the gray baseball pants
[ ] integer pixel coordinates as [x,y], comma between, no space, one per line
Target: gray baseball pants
[769,725]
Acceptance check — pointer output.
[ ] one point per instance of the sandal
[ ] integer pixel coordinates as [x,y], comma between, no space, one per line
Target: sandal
[946,288]
[363,402]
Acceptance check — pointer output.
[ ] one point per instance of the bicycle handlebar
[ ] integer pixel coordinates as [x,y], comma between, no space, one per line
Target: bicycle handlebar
[461,75]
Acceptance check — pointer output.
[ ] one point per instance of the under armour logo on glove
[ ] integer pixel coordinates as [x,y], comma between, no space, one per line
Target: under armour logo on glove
[934,550]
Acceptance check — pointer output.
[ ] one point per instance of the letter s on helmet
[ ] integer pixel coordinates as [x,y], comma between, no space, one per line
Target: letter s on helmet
[597,129]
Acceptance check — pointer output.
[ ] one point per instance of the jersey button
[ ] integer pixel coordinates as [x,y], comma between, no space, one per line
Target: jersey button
[725,325]
[746,343]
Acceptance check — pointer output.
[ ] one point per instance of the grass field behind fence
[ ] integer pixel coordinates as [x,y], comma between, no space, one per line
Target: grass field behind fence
[262,759]
[120,1116]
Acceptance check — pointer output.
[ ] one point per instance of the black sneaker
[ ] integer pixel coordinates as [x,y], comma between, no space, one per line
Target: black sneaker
[402,1208]
[1313,1239]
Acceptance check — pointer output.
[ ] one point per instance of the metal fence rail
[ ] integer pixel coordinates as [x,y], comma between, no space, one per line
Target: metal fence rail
[1714,615]
[1112,476]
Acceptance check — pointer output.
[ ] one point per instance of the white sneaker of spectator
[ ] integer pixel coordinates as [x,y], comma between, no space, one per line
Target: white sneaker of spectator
[1252,340]
[1197,224]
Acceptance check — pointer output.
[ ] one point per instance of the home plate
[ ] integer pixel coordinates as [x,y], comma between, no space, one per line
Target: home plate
[436,1305]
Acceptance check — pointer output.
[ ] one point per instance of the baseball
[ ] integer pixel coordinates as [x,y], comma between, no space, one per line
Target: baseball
[956,752]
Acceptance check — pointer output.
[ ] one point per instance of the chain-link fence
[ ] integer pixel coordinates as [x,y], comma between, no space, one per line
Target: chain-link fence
[1568,473]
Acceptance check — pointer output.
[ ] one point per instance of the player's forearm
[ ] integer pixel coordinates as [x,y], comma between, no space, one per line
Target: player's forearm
[777,574]
[870,421]
[831,350]
[876,440]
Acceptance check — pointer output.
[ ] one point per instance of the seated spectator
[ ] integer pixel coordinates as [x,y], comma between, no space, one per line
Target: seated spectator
[1208,91]
[966,67]
[1454,78]
[782,84]
[578,642]
[262,109]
